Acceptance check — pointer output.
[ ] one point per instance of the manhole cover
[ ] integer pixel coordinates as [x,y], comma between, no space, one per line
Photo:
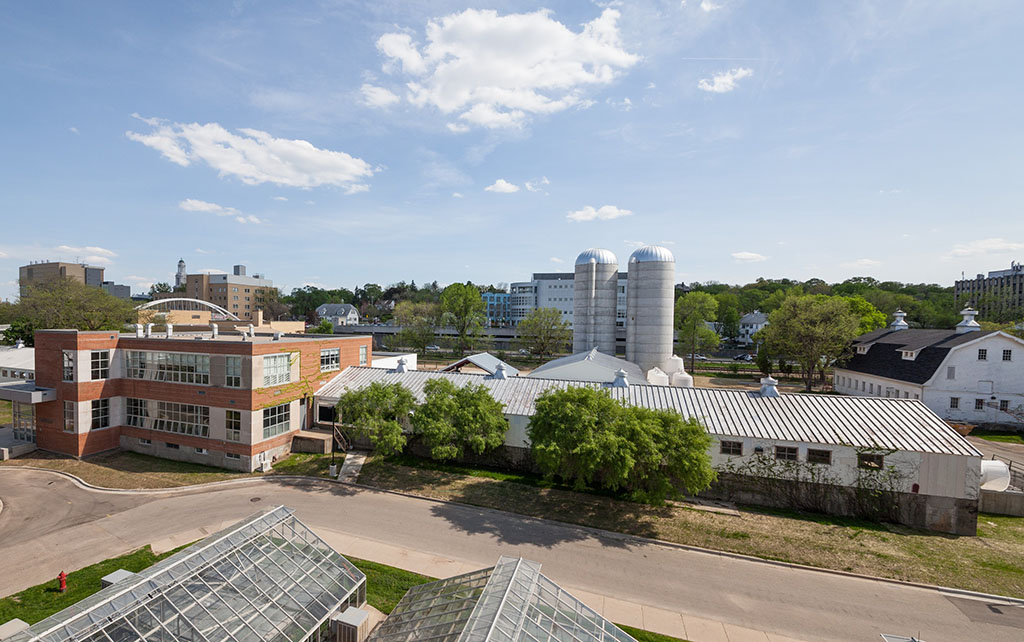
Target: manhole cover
[255,499]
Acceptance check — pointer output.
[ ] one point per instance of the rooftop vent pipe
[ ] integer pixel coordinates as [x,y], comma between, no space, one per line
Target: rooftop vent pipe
[170,330]
[278,335]
[252,331]
[768,387]
[149,330]
[499,372]
[19,344]
[138,330]
[620,379]
[968,324]
[214,329]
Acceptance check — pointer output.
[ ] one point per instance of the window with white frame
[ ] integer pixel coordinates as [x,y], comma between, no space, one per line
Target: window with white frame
[175,367]
[68,366]
[182,418]
[979,404]
[100,364]
[787,453]
[362,355]
[232,456]
[330,359]
[982,354]
[731,448]
[100,414]
[277,420]
[276,369]
[1004,404]
[954,402]
[233,425]
[135,412]
[233,372]
[1007,355]
[69,416]
[145,442]
[201,451]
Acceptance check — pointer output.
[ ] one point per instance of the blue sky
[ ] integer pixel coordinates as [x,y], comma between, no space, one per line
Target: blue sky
[337,143]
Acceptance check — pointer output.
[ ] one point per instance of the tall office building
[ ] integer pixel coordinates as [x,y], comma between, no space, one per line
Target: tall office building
[237,292]
[998,297]
[43,271]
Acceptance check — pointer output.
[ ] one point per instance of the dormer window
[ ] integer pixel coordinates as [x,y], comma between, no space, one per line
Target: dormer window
[908,355]
[862,349]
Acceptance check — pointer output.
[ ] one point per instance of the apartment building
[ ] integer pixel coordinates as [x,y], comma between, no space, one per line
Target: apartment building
[997,297]
[556,290]
[498,310]
[43,271]
[232,401]
[237,292]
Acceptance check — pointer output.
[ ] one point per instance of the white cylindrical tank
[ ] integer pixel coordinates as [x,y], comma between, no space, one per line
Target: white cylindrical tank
[656,377]
[595,294]
[995,475]
[650,307]
[677,372]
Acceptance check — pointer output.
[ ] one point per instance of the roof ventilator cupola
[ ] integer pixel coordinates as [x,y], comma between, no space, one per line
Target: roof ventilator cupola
[499,372]
[401,367]
[968,324]
[899,320]
[769,387]
[620,379]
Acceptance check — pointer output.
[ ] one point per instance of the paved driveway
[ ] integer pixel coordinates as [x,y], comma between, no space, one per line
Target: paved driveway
[48,524]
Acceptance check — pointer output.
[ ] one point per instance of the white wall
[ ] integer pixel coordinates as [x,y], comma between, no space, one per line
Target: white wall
[864,385]
[391,361]
[974,379]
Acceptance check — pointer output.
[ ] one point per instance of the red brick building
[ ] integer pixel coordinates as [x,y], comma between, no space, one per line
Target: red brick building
[232,401]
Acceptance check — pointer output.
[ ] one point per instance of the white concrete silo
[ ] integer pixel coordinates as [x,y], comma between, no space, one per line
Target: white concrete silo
[595,295]
[650,307]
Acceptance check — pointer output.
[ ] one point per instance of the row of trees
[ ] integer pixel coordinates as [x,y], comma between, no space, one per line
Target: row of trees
[581,436]
[63,303]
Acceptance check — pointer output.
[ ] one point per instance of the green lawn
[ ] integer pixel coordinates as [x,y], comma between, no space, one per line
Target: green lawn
[1001,437]
[385,585]
[6,413]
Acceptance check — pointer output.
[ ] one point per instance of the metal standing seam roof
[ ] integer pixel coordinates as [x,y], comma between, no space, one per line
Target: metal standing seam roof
[596,359]
[865,422]
[266,578]
[485,361]
[511,602]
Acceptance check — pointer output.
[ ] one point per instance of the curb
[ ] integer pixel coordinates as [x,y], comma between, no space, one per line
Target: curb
[600,533]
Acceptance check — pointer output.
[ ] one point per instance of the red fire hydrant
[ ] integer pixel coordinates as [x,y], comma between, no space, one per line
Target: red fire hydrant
[63,580]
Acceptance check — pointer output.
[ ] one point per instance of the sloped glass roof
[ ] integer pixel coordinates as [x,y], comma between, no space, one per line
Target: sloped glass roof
[511,602]
[267,578]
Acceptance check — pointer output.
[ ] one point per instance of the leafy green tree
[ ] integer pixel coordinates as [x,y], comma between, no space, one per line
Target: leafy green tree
[453,420]
[160,288]
[378,413]
[419,324]
[465,311]
[764,361]
[544,332]
[693,311]
[812,330]
[324,327]
[870,318]
[274,305]
[728,314]
[19,329]
[585,437]
[66,303]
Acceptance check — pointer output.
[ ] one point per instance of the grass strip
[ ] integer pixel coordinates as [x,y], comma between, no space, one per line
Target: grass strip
[1001,437]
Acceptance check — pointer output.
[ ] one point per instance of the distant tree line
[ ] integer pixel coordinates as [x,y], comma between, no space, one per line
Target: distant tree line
[63,303]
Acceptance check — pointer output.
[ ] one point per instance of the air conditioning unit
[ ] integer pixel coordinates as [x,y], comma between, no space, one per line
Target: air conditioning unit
[351,625]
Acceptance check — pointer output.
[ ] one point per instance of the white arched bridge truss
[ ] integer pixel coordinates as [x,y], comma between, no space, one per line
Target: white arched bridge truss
[182,303]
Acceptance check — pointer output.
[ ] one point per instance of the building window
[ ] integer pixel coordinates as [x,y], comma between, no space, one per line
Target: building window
[330,359]
[731,448]
[982,354]
[232,456]
[1007,355]
[201,451]
[100,364]
[819,456]
[979,404]
[787,453]
[68,369]
[326,414]
[277,420]
[233,424]
[145,442]
[182,418]
[171,446]
[175,367]
[233,372]
[951,372]
[362,355]
[870,461]
[954,402]
[69,416]
[136,412]
[276,369]
[100,414]
[1004,404]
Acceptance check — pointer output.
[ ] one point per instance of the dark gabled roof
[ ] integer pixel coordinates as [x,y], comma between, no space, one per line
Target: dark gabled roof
[884,357]
[336,309]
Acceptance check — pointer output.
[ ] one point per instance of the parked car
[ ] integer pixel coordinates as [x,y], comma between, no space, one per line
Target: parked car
[743,357]
[697,357]
[524,352]
[433,348]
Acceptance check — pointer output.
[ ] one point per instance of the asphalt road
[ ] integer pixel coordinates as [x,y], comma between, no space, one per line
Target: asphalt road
[49,524]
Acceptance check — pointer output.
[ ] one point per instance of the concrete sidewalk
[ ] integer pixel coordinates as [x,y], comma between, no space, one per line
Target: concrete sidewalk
[680,625]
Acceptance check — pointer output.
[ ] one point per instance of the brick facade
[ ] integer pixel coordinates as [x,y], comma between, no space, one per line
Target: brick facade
[250,399]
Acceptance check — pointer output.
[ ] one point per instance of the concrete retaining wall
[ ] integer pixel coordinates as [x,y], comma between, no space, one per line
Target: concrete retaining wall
[1006,503]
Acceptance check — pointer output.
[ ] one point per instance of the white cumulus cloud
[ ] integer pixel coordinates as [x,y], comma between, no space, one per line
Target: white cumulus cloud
[707,6]
[604,213]
[555,259]
[749,257]
[89,253]
[725,81]
[497,71]
[861,263]
[537,185]
[456,194]
[985,246]
[195,205]
[254,156]
[502,186]
[378,96]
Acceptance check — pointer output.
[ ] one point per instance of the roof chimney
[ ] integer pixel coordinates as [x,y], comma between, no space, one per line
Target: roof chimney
[968,324]
[138,330]
[170,330]
[768,387]
[499,372]
[401,367]
[898,322]
[620,379]
[214,329]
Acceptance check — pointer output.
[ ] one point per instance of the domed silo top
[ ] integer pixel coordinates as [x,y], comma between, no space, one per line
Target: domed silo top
[597,255]
[652,253]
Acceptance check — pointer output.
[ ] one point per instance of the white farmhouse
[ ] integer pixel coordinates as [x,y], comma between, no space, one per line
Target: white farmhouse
[964,375]
[749,324]
[338,313]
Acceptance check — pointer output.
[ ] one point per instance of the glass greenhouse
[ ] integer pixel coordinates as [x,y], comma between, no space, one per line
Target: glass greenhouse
[267,578]
[511,602]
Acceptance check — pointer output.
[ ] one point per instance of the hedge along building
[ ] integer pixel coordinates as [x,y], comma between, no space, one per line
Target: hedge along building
[234,401]
[933,471]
